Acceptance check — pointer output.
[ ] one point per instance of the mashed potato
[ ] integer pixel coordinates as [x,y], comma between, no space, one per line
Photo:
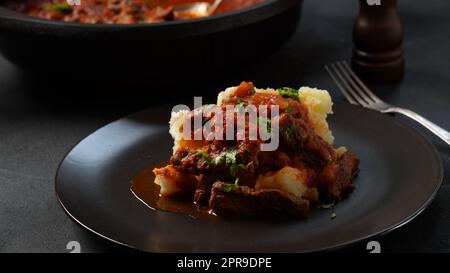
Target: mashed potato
[176,127]
[288,179]
[319,105]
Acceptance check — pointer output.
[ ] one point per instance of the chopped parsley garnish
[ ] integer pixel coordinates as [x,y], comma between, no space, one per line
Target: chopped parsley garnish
[235,168]
[287,92]
[241,103]
[205,121]
[231,187]
[228,158]
[333,215]
[262,121]
[228,187]
[61,8]
[327,206]
[204,155]
[290,130]
[288,109]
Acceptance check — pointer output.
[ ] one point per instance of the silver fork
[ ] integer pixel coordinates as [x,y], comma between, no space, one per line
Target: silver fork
[357,92]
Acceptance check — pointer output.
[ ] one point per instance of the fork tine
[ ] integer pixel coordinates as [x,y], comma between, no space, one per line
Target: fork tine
[361,84]
[339,85]
[353,85]
[347,88]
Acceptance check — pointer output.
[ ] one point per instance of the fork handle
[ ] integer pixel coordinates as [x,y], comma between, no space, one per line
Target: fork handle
[437,130]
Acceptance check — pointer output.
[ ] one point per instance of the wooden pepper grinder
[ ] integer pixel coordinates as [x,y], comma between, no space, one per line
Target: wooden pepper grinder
[378,39]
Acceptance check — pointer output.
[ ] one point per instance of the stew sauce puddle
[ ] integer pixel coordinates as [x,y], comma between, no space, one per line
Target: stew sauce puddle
[147,191]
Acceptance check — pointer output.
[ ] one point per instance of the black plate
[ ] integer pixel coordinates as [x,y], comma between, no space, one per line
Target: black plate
[400,175]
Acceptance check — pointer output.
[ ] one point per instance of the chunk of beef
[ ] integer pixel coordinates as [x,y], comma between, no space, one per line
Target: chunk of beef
[202,192]
[205,162]
[335,179]
[273,161]
[190,161]
[298,135]
[237,202]
[203,189]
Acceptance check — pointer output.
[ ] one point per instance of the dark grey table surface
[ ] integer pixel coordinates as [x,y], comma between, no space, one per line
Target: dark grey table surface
[38,127]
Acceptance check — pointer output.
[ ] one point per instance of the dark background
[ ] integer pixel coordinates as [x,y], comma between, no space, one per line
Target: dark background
[40,120]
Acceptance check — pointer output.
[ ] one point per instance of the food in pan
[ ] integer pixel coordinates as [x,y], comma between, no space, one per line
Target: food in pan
[114,11]
[234,176]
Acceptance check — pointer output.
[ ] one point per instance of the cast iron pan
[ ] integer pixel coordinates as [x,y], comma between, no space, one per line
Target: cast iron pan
[148,51]
[400,175]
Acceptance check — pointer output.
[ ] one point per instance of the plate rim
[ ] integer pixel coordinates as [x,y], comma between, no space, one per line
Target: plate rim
[334,247]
